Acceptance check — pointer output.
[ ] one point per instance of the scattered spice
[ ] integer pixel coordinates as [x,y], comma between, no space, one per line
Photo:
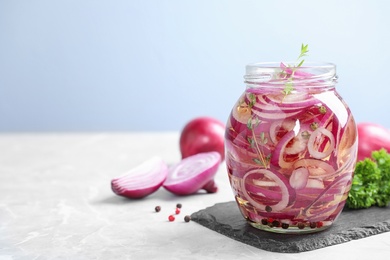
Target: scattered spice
[275,223]
[319,224]
[264,221]
[157,208]
[171,218]
[301,225]
[187,218]
[285,225]
[178,205]
[322,109]
[313,224]
[314,126]
[268,208]
[177,211]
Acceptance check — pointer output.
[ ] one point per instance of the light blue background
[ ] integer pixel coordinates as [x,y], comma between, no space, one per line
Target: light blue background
[152,65]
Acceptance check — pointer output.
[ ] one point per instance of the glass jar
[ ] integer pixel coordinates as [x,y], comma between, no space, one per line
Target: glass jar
[291,147]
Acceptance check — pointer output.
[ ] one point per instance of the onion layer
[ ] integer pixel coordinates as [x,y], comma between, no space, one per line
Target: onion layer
[285,190]
[313,142]
[141,181]
[193,173]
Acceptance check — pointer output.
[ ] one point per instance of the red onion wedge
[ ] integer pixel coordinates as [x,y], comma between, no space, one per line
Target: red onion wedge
[193,173]
[142,180]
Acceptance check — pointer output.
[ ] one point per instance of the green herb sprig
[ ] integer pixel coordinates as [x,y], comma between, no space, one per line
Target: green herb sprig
[289,86]
[371,182]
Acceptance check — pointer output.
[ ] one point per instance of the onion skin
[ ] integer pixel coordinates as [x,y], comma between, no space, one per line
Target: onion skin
[202,134]
[372,137]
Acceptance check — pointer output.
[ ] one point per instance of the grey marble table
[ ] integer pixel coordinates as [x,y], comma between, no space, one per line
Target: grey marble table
[56,203]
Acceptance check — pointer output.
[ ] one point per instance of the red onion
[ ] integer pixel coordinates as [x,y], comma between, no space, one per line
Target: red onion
[291,101]
[276,114]
[141,181]
[193,173]
[317,168]
[318,207]
[281,126]
[315,141]
[283,159]
[372,137]
[286,191]
[298,178]
[202,134]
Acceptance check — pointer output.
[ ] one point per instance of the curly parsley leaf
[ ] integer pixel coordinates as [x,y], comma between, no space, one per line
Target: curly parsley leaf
[371,182]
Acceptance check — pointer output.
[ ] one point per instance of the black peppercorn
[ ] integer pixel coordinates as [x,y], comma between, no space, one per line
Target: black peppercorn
[187,218]
[301,225]
[268,208]
[285,225]
[157,208]
[264,221]
[178,205]
[313,224]
[275,223]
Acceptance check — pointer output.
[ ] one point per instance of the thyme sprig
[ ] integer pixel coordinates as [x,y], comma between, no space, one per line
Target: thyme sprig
[289,86]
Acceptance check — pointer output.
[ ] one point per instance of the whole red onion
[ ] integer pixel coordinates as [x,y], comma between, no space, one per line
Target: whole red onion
[372,137]
[202,134]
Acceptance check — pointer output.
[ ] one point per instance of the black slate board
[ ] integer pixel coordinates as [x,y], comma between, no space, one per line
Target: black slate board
[225,218]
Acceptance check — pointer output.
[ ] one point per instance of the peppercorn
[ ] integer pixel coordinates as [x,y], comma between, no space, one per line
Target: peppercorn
[268,208]
[313,224]
[187,218]
[319,224]
[178,205]
[301,225]
[264,221]
[157,208]
[285,225]
[171,218]
[275,223]
[177,211]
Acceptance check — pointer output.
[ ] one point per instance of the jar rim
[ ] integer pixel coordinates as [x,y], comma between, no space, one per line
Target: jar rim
[306,64]
[270,72]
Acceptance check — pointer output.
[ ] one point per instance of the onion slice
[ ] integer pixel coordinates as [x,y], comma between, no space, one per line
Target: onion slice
[299,178]
[286,191]
[313,139]
[142,180]
[193,173]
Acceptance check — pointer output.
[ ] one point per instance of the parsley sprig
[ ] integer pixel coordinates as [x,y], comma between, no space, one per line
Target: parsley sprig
[371,182]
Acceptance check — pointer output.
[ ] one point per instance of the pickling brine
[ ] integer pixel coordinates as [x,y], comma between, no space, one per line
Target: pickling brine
[291,147]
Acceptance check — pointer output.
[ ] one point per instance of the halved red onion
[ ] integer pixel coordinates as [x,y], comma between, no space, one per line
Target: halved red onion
[193,173]
[313,143]
[142,180]
[286,191]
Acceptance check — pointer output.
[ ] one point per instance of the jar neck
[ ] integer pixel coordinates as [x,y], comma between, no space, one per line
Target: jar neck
[318,75]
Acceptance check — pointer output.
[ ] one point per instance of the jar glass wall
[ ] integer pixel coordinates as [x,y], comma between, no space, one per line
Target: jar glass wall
[291,145]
